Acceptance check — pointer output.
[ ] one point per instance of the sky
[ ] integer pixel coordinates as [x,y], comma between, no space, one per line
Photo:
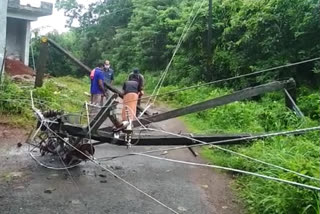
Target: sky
[56,21]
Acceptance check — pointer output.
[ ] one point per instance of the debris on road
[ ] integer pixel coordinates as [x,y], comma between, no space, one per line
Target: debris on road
[182,209]
[49,190]
[76,202]
[205,186]
[116,167]
[164,153]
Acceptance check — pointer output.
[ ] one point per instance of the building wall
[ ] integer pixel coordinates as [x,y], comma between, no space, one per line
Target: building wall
[18,38]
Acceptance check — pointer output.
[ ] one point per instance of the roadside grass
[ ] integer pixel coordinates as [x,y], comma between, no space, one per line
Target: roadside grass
[298,153]
[61,93]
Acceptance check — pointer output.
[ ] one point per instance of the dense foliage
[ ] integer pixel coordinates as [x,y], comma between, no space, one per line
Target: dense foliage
[298,153]
[58,64]
[248,35]
[63,93]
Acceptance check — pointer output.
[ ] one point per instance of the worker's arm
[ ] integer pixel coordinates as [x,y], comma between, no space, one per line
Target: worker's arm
[141,81]
[141,85]
[100,81]
[112,78]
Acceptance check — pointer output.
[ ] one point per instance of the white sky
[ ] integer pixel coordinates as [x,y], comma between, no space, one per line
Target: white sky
[56,21]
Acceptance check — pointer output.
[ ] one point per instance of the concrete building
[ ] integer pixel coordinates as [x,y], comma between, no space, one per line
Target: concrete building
[17,22]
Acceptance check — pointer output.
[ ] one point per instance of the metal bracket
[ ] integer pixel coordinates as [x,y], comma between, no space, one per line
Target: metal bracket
[102,115]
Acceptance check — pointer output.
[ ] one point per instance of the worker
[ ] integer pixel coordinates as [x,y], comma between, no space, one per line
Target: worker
[131,90]
[97,87]
[108,76]
[109,73]
[140,79]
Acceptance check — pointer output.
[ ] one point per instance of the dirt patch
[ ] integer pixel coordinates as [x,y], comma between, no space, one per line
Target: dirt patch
[10,135]
[16,67]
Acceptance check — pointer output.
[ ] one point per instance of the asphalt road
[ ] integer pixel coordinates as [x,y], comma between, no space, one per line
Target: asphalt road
[27,188]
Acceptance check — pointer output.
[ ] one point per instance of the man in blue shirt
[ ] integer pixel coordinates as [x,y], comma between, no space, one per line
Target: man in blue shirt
[97,87]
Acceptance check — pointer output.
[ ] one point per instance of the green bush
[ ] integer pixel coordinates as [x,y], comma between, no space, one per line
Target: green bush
[309,103]
[298,153]
[63,93]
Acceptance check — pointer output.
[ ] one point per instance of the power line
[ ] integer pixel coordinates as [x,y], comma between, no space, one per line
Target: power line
[202,143]
[235,170]
[229,78]
[230,151]
[239,76]
[190,163]
[182,37]
[44,122]
[111,172]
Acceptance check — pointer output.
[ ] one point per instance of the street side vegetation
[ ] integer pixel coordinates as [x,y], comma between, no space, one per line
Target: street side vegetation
[66,94]
[248,35]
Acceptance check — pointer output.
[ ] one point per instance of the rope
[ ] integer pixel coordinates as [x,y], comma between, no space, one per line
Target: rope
[236,170]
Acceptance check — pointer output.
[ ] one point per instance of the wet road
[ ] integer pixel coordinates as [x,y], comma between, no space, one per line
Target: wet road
[27,188]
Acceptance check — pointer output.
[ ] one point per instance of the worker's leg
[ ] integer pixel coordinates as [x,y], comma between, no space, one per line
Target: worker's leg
[129,105]
[96,99]
[96,102]
[138,104]
[102,100]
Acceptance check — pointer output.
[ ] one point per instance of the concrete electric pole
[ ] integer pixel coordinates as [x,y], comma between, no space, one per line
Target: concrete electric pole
[3,33]
[42,62]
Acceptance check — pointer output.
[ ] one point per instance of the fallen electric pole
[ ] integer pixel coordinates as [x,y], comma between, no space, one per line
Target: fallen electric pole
[236,96]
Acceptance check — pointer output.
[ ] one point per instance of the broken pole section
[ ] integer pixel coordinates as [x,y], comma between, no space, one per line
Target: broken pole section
[236,96]
[42,62]
[291,101]
[69,55]
[102,115]
[168,140]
